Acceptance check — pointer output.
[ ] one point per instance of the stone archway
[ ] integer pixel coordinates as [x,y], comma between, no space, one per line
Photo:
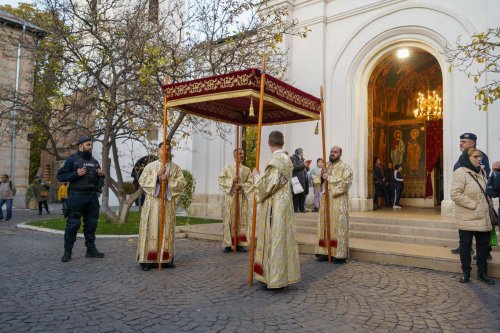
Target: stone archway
[396,136]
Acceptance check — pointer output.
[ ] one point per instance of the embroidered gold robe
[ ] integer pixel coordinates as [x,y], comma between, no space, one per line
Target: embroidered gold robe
[226,185]
[339,182]
[150,216]
[277,262]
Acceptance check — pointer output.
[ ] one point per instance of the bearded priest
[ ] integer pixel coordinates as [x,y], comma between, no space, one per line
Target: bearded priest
[230,184]
[339,176]
[150,181]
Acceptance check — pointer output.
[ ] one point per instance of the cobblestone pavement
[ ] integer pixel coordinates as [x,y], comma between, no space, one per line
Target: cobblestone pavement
[209,292]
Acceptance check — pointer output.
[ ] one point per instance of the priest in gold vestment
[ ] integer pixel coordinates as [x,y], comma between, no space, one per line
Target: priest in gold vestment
[229,184]
[339,176]
[277,262]
[150,182]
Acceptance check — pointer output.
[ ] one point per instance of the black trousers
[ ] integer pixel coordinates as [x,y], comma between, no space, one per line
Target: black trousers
[81,206]
[298,202]
[482,250]
[44,203]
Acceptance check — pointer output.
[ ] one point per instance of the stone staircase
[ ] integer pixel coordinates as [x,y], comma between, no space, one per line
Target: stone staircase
[414,237]
[411,237]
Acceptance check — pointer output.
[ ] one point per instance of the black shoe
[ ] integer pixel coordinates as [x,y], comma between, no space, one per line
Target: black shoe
[145,267]
[465,278]
[456,251]
[339,261]
[240,248]
[315,210]
[227,249]
[66,256]
[321,258]
[93,253]
[485,278]
[170,265]
[296,211]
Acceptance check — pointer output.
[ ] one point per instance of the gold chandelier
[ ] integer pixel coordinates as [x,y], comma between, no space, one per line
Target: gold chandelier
[429,107]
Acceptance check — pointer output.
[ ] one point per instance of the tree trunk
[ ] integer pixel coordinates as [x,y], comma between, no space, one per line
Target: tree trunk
[125,206]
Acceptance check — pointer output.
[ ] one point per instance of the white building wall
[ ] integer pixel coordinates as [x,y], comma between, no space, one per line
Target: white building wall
[345,42]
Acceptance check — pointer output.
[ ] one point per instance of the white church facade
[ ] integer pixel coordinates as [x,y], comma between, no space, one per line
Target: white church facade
[351,51]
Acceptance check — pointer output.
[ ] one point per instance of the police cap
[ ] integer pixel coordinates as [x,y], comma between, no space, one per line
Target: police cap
[470,136]
[83,139]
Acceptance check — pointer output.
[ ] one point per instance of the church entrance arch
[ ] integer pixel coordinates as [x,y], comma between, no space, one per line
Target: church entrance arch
[396,135]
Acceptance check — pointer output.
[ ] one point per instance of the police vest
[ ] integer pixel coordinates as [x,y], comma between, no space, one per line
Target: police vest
[87,182]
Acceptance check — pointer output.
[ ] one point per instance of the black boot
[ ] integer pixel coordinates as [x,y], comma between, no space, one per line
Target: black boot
[339,261]
[240,248]
[93,253]
[321,257]
[465,278]
[66,256]
[483,277]
[145,267]
[227,249]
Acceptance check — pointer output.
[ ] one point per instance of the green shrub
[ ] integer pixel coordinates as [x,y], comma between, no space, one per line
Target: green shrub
[187,195]
[128,187]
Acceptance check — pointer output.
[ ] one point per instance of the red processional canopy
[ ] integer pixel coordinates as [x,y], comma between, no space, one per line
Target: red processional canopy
[228,97]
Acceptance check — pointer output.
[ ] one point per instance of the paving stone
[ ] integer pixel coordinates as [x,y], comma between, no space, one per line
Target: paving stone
[209,292]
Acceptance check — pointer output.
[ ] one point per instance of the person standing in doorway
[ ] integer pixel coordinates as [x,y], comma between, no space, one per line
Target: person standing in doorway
[398,185]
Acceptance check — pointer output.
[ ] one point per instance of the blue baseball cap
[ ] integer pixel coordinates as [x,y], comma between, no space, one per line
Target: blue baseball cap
[83,139]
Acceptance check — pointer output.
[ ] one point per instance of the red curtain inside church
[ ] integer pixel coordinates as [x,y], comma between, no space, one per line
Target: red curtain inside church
[433,149]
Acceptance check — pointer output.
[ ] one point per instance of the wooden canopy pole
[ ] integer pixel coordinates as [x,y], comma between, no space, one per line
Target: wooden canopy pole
[159,252]
[327,197]
[257,161]
[236,192]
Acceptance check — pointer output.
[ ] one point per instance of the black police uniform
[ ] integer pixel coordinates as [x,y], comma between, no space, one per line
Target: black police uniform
[83,201]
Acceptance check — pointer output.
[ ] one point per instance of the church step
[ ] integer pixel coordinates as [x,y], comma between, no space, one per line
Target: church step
[384,252]
[390,230]
[393,253]
[409,222]
[447,233]
[406,239]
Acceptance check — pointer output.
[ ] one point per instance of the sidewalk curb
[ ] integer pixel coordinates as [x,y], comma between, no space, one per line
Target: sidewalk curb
[24,225]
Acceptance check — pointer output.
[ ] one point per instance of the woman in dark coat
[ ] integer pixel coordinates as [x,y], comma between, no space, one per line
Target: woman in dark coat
[299,171]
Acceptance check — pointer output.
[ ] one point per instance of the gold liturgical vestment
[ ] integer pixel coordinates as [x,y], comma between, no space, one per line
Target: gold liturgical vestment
[277,262]
[339,182]
[150,216]
[226,184]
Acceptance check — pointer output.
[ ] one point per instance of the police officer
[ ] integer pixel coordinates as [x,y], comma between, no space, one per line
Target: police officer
[85,178]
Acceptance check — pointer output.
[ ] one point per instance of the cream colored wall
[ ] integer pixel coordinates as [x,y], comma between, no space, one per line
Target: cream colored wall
[8,54]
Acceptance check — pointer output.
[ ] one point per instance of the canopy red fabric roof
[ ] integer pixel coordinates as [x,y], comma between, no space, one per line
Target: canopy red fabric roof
[227,98]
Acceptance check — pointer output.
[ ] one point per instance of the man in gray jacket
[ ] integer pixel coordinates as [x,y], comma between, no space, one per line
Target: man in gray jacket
[7,193]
